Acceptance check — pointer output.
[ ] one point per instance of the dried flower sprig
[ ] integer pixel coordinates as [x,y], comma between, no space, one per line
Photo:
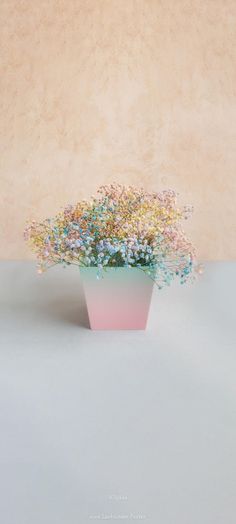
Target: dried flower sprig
[122,226]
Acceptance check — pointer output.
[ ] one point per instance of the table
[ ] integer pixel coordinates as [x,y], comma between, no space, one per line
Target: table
[117,426]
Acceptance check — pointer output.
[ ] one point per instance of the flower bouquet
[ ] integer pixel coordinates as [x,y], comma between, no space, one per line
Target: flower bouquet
[124,240]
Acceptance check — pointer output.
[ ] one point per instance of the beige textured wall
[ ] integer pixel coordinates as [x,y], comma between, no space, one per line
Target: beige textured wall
[135,91]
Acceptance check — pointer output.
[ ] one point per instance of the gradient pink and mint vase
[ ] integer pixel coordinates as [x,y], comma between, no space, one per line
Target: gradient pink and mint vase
[119,299]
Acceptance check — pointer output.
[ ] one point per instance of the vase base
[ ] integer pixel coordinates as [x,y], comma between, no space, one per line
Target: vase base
[117,327]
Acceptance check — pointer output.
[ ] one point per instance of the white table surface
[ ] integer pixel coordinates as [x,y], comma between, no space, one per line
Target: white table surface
[117,426]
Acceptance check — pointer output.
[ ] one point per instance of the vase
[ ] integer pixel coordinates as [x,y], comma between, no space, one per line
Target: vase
[118,299]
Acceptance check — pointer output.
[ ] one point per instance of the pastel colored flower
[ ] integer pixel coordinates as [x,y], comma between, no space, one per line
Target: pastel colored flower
[121,226]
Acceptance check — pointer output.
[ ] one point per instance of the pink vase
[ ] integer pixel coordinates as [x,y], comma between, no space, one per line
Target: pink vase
[119,299]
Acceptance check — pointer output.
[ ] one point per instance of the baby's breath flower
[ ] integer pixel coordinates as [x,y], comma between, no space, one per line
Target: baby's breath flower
[122,226]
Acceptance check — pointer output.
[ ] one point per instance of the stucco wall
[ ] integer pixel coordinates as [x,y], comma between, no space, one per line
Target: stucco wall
[135,91]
